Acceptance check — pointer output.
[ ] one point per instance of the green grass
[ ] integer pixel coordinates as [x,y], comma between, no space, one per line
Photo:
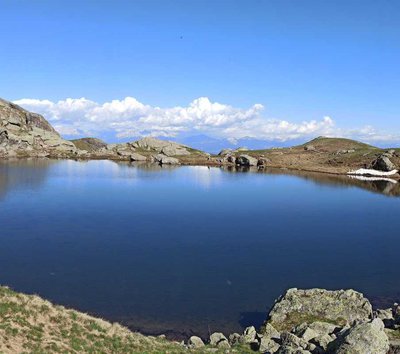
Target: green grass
[41,327]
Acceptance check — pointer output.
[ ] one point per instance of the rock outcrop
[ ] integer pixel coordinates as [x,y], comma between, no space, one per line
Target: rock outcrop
[148,149]
[26,134]
[219,340]
[168,148]
[339,307]
[383,163]
[246,160]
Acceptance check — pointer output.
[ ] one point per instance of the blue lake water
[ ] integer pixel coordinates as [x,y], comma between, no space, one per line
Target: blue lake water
[190,249]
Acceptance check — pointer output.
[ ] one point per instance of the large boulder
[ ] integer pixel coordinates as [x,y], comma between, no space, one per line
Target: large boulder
[195,342]
[337,307]
[229,159]
[363,338]
[219,340]
[137,157]
[249,335]
[246,160]
[25,134]
[268,345]
[383,163]
[310,148]
[166,160]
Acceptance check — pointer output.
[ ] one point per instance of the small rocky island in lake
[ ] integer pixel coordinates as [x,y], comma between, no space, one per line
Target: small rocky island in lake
[26,134]
[313,321]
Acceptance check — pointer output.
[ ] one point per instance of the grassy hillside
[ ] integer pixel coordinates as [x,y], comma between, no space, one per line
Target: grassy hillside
[29,324]
[89,144]
[335,144]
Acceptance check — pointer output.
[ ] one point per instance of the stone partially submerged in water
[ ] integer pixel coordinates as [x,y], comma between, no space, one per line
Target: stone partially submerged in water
[246,160]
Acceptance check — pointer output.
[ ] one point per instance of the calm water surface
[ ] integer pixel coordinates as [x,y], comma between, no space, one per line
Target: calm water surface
[190,249]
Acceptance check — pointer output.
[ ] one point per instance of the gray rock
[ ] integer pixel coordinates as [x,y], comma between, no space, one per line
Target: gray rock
[363,338]
[322,341]
[195,342]
[310,148]
[235,338]
[308,334]
[343,152]
[124,153]
[394,347]
[168,148]
[219,340]
[383,163]
[323,328]
[268,345]
[289,339]
[246,160]
[137,157]
[390,153]
[230,158]
[396,311]
[249,335]
[270,332]
[166,160]
[297,306]
[172,150]
[314,329]
[386,316]
[263,161]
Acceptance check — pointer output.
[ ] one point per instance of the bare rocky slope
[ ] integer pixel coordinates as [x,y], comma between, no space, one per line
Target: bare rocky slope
[26,134]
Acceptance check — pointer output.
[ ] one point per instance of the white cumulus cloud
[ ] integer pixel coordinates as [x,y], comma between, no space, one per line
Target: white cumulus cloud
[129,118]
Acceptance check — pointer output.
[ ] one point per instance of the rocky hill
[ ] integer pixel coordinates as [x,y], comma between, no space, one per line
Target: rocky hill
[26,134]
[328,155]
[152,150]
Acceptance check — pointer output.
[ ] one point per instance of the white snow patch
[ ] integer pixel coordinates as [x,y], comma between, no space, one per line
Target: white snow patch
[369,172]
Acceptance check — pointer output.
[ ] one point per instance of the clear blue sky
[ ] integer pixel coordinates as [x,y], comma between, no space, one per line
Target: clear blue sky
[302,60]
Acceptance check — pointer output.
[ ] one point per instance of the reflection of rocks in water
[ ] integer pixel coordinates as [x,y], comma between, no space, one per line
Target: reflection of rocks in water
[388,187]
[236,168]
[153,167]
[20,174]
[147,166]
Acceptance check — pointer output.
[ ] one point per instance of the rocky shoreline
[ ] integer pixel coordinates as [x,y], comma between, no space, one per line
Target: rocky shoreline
[319,321]
[313,321]
[25,134]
